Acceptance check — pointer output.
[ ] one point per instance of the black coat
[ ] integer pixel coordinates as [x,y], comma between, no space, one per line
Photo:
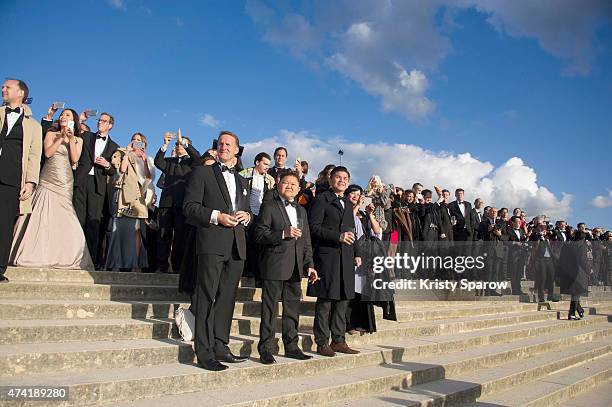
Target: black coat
[280,256]
[86,161]
[475,223]
[463,229]
[334,261]
[206,191]
[574,269]
[175,173]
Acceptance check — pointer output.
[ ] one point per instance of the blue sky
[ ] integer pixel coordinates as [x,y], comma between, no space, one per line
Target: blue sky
[492,79]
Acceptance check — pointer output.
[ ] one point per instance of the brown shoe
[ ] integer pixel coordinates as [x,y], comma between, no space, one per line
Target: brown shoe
[325,350]
[343,348]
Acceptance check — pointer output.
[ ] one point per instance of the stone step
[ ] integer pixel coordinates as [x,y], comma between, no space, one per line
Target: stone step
[320,387]
[24,359]
[37,331]
[33,275]
[600,396]
[82,291]
[555,388]
[465,389]
[100,309]
[114,385]
[26,274]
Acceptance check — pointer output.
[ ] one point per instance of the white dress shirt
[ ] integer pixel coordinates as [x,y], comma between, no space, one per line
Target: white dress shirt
[257,192]
[462,208]
[99,148]
[230,182]
[11,119]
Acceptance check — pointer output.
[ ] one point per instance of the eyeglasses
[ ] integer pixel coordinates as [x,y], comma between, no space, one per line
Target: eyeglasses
[103,120]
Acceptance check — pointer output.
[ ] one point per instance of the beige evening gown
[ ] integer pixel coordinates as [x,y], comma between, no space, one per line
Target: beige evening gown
[51,236]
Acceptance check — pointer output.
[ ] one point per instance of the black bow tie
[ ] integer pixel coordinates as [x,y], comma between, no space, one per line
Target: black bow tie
[226,168]
[103,138]
[292,203]
[15,110]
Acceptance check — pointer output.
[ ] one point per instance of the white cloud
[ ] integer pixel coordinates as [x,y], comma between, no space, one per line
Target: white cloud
[564,28]
[392,49]
[512,184]
[601,201]
[118,4]
[209,120]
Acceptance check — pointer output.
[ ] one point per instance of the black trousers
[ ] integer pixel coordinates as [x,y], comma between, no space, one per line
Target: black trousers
[89,207]
[171,237]
[217,283]
[251,267]
[290,292]
[494,267]
[544,276]
[515,270]
[9,195]
[330,318]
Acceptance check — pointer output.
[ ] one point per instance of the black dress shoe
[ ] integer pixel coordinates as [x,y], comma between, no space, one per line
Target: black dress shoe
[230,358]
[267,358]
[580,311]
[553,298]
[494,294]
[297,354]
[212,364]
[4,279]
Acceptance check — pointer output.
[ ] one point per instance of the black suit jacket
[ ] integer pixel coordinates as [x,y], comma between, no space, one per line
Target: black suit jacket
[280,256]
[334,261]
[475,223]
[464,224]
[175,173]
[86,162]
[273,171]
[206,191]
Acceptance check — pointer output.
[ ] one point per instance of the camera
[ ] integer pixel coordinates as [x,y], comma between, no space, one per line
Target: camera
[139,145]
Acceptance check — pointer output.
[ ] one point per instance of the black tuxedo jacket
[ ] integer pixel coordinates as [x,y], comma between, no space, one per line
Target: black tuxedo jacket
[484,234]
[462,222]
[475,223]
[513,238]
[334,261]
[273,171]
[206,191]
[175,174]
[280,256]
[86,162]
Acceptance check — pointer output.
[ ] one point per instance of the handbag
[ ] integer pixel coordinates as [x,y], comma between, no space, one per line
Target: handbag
[185,322]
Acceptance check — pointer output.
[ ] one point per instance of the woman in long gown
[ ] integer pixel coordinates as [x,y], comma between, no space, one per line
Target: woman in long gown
[51,235]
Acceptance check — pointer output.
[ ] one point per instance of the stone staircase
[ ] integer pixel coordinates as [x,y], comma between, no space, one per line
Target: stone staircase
[109,337]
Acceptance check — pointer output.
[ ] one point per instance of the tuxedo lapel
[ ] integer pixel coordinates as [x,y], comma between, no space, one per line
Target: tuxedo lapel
[283,211]
[222,185]
[239,192]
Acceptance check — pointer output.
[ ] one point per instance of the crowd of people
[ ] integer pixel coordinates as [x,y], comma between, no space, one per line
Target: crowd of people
[75,199]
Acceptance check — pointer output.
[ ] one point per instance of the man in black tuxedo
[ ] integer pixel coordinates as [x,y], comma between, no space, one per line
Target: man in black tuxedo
[217,203]
[20,151]
[542,256]
[332,226]
[280,158]
[516,254]
[286,257]
[476,216]
[494,233]
[171,236]
[462,211]
[559,233]
[92,189]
